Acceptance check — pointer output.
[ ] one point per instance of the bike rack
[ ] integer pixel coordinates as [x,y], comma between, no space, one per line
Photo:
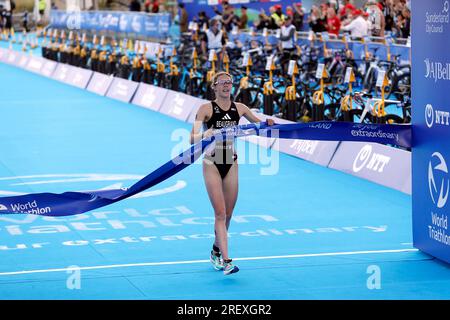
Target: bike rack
[174,74]
[226,60]
[290,95]
[379,105]
[347,101]
[160,69]
[243,83]
[268,92]
[318,98]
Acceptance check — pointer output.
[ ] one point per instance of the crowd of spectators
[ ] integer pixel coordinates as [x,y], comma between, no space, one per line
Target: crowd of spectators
[376,18]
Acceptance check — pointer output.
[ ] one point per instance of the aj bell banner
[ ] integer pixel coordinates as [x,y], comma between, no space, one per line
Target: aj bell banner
[431,152]
[70,203]
[149,25]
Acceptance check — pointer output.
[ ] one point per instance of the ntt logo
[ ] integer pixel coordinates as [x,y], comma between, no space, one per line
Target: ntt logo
[429,116]
[370,160]
[436,116]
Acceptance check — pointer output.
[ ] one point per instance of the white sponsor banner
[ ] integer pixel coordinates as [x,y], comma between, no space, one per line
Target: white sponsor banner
[11,57]
[177,105]
[382,164]
[61,72]
[22,60]
[79,77]
[35,64]
[3,55]
[150,97]
[99,83]
[122,89]
[48,68]
[196,105]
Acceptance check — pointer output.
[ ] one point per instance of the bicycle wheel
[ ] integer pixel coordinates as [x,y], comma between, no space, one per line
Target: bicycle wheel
[331,111]
[393,118]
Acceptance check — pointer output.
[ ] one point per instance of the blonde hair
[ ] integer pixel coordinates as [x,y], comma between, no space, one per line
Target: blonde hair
[217,75]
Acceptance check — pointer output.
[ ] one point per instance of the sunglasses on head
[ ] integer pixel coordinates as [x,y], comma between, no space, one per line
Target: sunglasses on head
[222,82]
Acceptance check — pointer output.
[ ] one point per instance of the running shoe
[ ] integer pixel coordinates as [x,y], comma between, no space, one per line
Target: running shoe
[229,268]
[216,260]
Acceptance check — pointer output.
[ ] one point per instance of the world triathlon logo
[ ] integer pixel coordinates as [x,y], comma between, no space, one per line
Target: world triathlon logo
[438,181]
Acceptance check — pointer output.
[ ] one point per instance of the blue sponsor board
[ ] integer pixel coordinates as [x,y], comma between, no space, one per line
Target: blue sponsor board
[148,25]
[431,152]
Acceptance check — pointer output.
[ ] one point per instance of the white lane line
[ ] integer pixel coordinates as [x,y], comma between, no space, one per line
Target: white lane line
[149,264]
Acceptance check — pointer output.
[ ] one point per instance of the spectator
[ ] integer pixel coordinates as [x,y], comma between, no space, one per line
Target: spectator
[323,10]
[388,13]
[2,16]
[155,6]
[315,21]
[227,15]
[403,24]
[289,12]
[262,22]
[203,20]
[365,15]
[25,21]
[333,22]
[278,16]
[243,20]
[229,18]
[299,14]
[147,4]
[376,18]
[333,4]
[272,24]
[287,39]
[358,27]
[213,38]
[7,15]
[346,11]
[183,18]
[135,5]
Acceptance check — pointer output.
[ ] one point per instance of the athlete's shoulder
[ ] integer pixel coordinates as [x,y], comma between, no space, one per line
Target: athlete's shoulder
[205,108]
[204,111]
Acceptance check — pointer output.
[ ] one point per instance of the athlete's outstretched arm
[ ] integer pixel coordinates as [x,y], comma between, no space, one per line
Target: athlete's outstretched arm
[249,115]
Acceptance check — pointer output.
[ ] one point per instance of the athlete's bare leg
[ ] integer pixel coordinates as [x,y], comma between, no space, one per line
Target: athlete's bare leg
[230,192]
[213,182]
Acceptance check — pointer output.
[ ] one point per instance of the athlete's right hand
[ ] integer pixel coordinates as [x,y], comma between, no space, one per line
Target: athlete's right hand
[208,133]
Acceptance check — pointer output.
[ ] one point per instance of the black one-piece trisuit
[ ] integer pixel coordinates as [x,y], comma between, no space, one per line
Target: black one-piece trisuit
[223,154]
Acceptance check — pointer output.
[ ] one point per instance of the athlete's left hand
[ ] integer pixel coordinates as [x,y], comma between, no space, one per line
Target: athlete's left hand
[270,122]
